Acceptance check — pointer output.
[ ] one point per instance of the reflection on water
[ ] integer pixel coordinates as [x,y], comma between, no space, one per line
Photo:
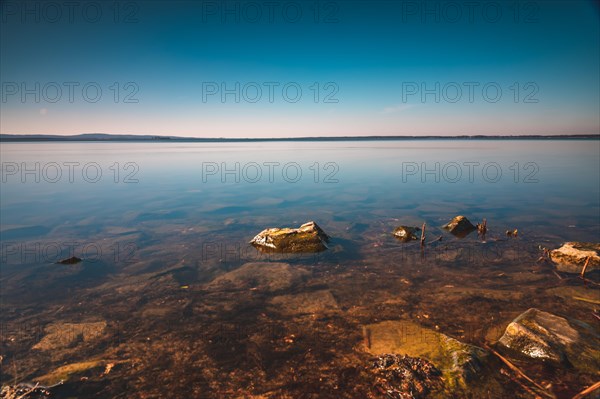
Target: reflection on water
[159,224]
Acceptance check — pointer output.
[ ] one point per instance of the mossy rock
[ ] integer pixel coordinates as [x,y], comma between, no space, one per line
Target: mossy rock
[307,238]
[69,371]
[460,364]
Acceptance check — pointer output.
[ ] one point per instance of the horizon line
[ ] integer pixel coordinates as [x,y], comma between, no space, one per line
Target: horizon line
[149,137]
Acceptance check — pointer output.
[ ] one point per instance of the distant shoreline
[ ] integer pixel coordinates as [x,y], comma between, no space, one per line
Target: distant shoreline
[162,139]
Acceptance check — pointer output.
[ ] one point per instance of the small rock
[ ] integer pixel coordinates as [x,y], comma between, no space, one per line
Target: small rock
[69,261]
[571,257]
[406,233]
[541,335]
[460,226]
[307,238]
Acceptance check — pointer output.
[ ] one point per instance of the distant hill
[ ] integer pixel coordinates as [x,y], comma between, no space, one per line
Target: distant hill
[79,137]
[132,137]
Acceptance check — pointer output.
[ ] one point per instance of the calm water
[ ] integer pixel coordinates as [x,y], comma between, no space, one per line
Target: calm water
[156,222]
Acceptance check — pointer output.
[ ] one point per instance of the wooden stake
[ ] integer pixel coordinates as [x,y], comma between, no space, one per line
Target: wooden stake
[587,262]
[482,229]
[587,391]
[423,236]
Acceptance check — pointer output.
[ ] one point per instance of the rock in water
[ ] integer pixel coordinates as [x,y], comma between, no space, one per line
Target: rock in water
[459,363]
[571,257]
[307,238]
[321,301]
[460,226]
[264,276]
[556,340]
[406,233]
[69,261]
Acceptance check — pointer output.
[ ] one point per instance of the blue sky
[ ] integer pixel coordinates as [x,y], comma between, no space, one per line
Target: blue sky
[378,67]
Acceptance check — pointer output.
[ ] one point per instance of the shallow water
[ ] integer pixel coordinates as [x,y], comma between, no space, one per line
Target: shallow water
[156,223]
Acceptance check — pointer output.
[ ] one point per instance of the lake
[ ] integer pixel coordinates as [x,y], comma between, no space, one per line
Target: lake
[157,224]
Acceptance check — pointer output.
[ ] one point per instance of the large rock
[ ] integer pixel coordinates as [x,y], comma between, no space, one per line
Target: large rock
[460,226]
[264,276]
[571,257]
[543,336]
[406,233]
[307,238]
[459,363]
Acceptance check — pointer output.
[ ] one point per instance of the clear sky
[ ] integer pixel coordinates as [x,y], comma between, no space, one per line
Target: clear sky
[300,68]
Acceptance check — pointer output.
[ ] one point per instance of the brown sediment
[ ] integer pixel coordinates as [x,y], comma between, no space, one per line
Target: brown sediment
[245,331]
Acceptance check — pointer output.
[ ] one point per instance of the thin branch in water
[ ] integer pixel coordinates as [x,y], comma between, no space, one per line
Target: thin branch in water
[423,236]
[519,372]
[29,391]
[521,384]
[435,240]
[557,275]
[587,391]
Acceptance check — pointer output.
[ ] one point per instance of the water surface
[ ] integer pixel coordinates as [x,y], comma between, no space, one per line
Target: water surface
[156,223]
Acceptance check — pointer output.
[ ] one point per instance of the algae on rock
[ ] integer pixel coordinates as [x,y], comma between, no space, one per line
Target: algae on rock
[307,238]
[460,364]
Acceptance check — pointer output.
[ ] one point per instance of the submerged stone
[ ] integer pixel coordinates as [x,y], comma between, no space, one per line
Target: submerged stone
[62,335]
[69,261]
[459,363]
[460,226]
[307,238]
[321,301]
[70,371]
[264,276]
[406,233]
[543,336]
[572,256]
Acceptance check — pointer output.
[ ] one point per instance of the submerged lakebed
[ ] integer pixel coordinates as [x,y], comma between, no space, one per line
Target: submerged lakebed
[171,299]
